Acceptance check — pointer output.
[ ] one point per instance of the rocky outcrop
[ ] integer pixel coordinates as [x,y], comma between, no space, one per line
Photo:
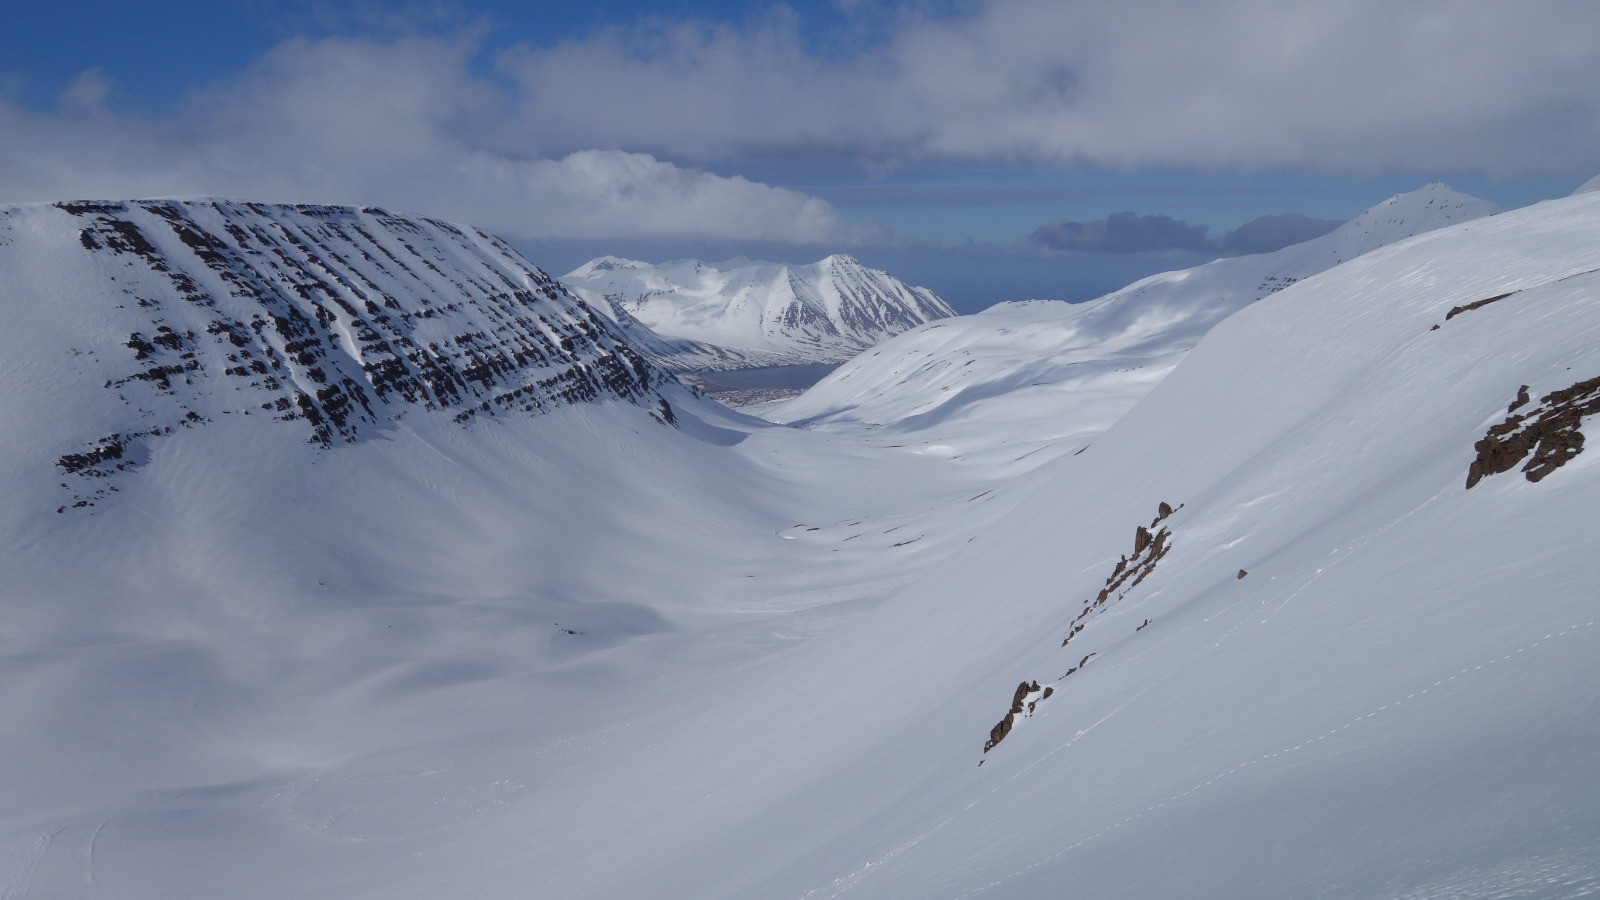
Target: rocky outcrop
[1547,436]
[1150,544]
[1024,700]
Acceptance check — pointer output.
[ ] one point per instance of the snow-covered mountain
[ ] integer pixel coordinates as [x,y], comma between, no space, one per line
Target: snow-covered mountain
[1341,665]
[1313,617]
[744,314]
[296,491]
[181,314]
[955,382]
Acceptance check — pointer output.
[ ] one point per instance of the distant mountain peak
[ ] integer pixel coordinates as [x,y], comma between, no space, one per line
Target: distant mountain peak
[610,264]
[826,311]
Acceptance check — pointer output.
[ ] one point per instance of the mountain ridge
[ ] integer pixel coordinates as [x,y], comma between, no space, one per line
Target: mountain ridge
[951,380]
[764,313]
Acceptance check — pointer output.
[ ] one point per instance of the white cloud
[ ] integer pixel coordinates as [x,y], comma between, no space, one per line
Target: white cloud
[402,124]
[613,134]
[1361,84]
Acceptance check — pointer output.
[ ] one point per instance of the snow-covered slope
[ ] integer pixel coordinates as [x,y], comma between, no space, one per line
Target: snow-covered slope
[759,313]
[1332,670]
[1315,615]
[956,382]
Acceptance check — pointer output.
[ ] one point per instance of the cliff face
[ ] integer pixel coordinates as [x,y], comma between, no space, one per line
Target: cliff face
[336,319]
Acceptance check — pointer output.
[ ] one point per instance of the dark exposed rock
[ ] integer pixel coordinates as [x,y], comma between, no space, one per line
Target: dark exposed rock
[1148,549]
[1521,400]
[1020,705]
[1141,539]
[1547,436]
[1016,698]
[1476,304]
[1241,575]
[141,348]
[998,732]
[109,449]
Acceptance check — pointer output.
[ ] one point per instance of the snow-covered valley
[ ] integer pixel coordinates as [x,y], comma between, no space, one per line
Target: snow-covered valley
[608,639]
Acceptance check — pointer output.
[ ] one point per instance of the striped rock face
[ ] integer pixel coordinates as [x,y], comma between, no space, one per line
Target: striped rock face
[334,319]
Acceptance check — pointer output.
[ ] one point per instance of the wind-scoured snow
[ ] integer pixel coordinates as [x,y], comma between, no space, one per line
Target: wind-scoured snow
[747,314]
[1051,375]
[1289,650]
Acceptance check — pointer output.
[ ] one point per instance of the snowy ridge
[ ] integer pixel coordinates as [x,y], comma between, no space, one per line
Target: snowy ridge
[762,313]
[336,319]
[956,381]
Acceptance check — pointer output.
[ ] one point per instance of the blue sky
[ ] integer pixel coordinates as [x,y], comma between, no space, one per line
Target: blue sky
[944,141]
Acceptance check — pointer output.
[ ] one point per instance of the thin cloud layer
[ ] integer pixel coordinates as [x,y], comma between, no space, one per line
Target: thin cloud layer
[1123,232]
[402,124]
[1127,232]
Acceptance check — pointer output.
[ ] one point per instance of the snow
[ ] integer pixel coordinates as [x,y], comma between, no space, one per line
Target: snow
[586,654]
[757,313]
[1050,375]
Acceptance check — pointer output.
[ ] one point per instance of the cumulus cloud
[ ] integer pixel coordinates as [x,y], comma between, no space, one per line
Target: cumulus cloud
[638,131]
[1367,84]
[400,123]
[1127,232]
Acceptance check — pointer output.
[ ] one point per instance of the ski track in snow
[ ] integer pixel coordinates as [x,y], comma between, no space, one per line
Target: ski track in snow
[1337,556]
[94,840]
[22,883]
[846,884]
[1465,671]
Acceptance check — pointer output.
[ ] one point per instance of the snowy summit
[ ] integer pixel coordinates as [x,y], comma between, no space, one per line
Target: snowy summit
[768,313]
